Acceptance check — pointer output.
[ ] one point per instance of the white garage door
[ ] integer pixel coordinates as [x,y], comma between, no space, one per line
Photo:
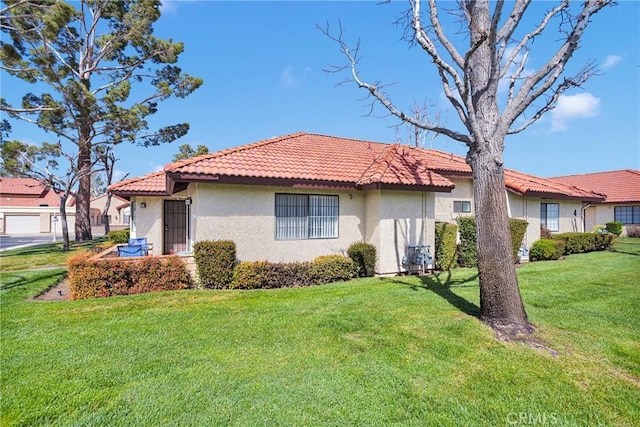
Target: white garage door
[22,224]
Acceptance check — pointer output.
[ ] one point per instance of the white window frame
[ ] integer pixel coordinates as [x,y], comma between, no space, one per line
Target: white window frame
[459,206]
[306,216]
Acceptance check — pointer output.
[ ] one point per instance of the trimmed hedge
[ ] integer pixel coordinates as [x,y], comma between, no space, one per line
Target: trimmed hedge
[577,243]
[614,227]
[468,249]
[364,256]
[445,252]
[119,236]
[333,268]
[518,228]
[545,250]
[269,275]
[215,261]
[108,277]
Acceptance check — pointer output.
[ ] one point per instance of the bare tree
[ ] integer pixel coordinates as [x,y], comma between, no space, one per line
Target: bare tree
[470,81]
[41,163]
[107,159]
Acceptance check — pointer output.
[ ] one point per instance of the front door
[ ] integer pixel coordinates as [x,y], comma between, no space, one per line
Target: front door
[175,226]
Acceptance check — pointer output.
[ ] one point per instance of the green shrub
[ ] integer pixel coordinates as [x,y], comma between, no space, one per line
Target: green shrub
[614,227]
[215,261]
[468,250]
[118,237]
[518,228]
[364,256]
[268,275]
[108,277]
[545,250]
[333,268]
[577,243]
[445,252]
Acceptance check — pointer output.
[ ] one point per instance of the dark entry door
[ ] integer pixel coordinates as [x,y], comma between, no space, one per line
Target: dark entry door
[175,226]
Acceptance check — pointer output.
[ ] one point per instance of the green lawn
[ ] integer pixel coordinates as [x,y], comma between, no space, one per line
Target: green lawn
[393,351]
[43,255]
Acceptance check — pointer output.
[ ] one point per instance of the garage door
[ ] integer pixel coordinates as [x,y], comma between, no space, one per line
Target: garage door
[22,224]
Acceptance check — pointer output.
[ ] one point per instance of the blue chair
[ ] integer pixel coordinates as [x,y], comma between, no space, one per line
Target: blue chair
[130,250]
[142,241]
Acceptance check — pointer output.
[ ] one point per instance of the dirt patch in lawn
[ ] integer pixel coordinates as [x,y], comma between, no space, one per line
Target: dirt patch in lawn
[59,292]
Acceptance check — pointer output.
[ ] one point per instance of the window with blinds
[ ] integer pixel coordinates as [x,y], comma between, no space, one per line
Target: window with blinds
[304,216]
[550,216]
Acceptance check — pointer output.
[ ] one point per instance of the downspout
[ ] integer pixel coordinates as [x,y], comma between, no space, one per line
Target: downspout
[584,218]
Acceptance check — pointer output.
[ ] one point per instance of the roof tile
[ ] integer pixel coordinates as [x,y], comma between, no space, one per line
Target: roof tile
[618,186]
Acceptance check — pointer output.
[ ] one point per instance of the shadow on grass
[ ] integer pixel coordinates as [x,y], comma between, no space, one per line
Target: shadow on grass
[441,284]
[16,279]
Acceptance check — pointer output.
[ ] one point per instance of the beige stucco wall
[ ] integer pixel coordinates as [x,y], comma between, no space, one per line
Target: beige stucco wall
[405,218]
[246,215]
[444,201]
[527,208]
[606,213]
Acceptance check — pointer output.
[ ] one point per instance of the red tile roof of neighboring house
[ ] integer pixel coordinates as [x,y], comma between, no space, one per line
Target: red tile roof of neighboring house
[618,186]
[321,158]
[21,187]
[27,192]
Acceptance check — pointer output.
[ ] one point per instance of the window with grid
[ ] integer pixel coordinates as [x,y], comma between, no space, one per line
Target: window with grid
[461,206]
[305,216]
[627,214]
[550,216]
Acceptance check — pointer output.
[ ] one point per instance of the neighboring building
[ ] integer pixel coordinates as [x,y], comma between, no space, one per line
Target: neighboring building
[119,213]
[299,196]
[621,190]
[28,207]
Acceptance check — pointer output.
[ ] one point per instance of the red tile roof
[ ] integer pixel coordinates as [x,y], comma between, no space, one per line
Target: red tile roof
[618,186]
[312,157]
[21,187]
[27,192]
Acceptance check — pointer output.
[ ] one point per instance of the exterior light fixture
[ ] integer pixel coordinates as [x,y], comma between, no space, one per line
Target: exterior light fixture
[143,205]
[187,201]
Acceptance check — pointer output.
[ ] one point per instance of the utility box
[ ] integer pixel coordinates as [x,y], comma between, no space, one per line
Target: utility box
[418,259]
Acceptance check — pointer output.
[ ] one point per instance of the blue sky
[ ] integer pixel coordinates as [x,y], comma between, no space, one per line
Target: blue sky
[262,65]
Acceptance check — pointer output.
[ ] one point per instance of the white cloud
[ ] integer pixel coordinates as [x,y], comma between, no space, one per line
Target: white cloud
[611,61]
[571,107]
[290,78]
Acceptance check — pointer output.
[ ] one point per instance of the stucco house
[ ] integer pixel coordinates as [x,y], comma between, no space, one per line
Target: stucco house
[295,197]
[621,190]
[119,213]
[28,207]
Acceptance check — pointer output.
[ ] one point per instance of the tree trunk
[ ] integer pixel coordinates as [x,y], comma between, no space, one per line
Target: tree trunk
[105,214]
[501,305]
[63,223]
[83,199]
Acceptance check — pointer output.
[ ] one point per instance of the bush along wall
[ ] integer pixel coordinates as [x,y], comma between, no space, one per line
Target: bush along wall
[364,256]
[468,252]
[215,262]
[468,249]
[546,250]
[577,243]
[109,277]
[119,236]
[614,227]
[445,251]
[269,275]
[518,228]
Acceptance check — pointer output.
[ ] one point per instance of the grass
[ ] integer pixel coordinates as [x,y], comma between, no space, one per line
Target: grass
[42,255]
[393,351]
